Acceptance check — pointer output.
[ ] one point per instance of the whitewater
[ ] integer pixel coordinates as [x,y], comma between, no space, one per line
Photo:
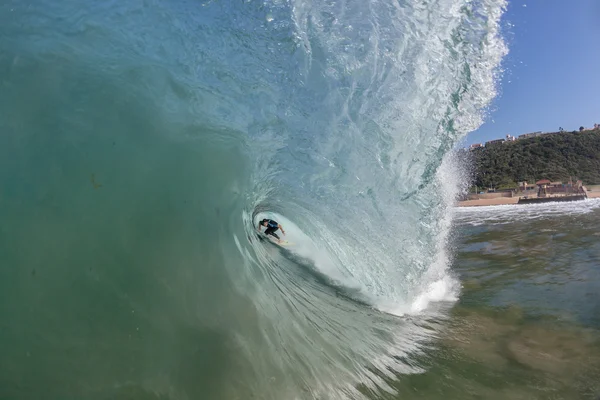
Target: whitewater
[142,141]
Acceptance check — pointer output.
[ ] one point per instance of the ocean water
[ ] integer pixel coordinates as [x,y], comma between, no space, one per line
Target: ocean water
[527,325]
[140,143]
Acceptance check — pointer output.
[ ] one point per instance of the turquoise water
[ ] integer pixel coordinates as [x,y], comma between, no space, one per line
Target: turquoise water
[140,142]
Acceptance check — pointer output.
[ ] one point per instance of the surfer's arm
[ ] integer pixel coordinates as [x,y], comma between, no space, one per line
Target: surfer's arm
[259,226]
[281,227]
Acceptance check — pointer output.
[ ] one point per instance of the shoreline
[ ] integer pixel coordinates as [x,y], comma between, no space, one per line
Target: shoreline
[502,201]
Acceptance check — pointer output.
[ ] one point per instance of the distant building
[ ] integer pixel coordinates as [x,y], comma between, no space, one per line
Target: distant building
[493,142]
[510,138]
[543,187]
[475,146]
[530,135]
[526,186]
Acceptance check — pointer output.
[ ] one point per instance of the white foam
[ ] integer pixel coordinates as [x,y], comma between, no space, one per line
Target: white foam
[440,290]
[505,214]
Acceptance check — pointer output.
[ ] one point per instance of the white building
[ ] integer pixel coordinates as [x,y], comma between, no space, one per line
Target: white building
[530,135]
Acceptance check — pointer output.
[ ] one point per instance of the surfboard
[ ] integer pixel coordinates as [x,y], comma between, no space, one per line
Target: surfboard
[284,243]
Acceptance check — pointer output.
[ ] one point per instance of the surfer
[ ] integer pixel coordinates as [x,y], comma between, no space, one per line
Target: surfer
[272,227]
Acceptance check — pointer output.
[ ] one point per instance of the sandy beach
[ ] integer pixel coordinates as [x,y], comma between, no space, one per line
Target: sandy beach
[507,200]
[488,202]
[593,195]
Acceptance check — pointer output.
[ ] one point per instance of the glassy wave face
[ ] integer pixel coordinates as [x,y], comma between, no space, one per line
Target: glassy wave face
[140,144]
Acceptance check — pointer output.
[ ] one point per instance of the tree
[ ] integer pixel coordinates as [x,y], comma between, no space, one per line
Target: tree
[581,128]
[556,157]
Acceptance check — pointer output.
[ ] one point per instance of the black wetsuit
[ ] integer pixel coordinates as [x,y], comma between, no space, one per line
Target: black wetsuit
[272,226]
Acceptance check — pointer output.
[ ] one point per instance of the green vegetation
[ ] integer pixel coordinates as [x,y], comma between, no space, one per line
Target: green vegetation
[557,156]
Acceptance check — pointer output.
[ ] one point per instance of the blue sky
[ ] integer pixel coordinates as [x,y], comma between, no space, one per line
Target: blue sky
[552,71]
